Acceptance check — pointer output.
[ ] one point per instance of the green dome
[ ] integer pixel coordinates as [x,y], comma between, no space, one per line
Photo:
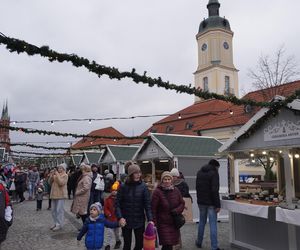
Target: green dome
[214,22]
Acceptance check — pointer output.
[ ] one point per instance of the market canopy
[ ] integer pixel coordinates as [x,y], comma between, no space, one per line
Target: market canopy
[268,129]
[171,145]
[114,153]
[92,157]
[77,159]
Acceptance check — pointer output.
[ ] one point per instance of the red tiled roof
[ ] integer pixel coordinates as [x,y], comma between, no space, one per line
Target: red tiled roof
[286,89]
[213,114]
[110,131]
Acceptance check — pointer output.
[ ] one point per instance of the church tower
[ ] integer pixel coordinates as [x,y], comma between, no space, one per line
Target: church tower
[216,72]
[4,132]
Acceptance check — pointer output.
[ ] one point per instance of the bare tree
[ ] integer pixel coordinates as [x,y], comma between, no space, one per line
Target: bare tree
[272,72]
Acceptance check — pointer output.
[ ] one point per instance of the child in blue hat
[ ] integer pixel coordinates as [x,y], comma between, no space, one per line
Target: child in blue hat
[93,227]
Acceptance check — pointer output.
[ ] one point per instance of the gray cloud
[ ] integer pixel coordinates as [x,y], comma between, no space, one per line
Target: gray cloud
[156,36]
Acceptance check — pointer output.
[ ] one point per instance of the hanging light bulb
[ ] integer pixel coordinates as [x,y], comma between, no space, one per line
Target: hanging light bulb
[264,152]
[297,156]
[179,116]
[90,121]
[253,161]
[252,155]
[271,159]
[52,123]
[280,151]
[231,112]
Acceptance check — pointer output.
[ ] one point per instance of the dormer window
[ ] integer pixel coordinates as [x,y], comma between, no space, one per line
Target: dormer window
[205,84]
[153,130]
[189,125]
[169,128]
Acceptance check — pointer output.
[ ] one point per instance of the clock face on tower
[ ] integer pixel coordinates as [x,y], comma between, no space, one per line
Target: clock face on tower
[204,47]
[226,45]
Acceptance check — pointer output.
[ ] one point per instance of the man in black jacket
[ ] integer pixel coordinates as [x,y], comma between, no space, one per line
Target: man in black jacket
[208,199]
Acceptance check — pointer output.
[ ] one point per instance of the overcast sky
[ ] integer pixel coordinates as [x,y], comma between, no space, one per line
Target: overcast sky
[157,36]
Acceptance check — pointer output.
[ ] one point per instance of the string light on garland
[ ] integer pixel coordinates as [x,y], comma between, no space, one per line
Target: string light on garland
[19,46]
[45,132]
[37,153]
[34,146]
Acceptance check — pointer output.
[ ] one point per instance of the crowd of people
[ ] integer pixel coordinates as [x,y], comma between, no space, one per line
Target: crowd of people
[102,201]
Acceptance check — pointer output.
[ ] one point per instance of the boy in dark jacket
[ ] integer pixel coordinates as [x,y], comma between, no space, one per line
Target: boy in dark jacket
[208,199]
[94,228]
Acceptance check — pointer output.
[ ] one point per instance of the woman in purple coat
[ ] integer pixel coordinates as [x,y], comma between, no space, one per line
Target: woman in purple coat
[166,200]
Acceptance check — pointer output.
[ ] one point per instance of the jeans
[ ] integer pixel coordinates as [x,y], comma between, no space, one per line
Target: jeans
[212,217]
[112,233]
[31,189]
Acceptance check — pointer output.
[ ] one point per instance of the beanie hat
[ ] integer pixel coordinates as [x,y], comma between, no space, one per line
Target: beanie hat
[110,176]
[133,168]
[98,206]
[165,174]
[175,172]
[214,163]
[63,165]
[115,186]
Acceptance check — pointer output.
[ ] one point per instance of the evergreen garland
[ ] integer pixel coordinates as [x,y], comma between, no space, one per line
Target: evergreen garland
[19,46]
[34,146]
[45,132]
[36,153]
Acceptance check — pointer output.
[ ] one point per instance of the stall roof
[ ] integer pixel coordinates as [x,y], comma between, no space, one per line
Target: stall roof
[294,105]
[92,157]
[184,145]
[120,153]
[76,159]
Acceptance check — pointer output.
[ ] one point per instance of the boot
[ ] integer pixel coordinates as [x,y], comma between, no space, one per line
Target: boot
[118,244]
[107,247]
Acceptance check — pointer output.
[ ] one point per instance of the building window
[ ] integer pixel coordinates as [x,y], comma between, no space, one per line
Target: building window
[205,84]
[153,130]
[227,85]
[189,125]
[169,128]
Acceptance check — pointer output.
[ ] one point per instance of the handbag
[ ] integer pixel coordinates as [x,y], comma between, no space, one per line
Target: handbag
[12,186]
[178,219]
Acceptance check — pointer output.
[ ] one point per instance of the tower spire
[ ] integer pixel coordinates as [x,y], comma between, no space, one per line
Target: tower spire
[213,7]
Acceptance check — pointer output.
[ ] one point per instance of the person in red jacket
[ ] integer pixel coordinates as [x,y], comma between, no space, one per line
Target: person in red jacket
[5,213]
[109,212]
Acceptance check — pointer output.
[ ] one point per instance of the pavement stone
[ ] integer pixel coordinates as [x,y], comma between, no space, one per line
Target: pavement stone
[31,231]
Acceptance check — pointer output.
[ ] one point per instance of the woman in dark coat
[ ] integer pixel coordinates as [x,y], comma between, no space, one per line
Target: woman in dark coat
[20,183]
[166,200]
[132,203]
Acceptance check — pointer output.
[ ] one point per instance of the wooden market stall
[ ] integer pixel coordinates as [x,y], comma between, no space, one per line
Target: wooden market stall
[269,218]
[162,152]
[115,156]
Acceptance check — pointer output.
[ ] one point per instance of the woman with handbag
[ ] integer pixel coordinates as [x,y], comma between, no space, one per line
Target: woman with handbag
[167,207]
